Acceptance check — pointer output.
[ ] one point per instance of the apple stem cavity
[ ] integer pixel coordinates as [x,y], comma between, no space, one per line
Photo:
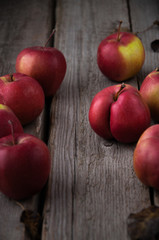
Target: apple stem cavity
[118,34]
[11,78]
[53,31]
[12,131]
[118,92]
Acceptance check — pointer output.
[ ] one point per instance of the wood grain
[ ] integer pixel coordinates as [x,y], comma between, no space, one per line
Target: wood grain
[141,23]
[22,24]
[92,187]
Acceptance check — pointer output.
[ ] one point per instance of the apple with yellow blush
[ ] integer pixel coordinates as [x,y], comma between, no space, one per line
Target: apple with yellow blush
[120,56]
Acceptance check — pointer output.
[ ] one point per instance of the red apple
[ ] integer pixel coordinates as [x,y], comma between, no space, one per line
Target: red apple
[119,112]
[150,92]
[23,95]
[46,64]
[146,157]
[24,165]
[120,56]
[6,114]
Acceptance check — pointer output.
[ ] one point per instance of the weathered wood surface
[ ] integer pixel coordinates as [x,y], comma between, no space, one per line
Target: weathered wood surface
[92,187]
[143,15]
[22,24]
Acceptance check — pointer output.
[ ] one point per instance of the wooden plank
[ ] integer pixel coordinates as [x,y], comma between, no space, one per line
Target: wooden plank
[142,22]
[22,24]
[92,188]
[143,14]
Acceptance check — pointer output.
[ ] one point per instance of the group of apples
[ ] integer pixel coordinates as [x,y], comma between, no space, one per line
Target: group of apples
[122,111]
[25,160]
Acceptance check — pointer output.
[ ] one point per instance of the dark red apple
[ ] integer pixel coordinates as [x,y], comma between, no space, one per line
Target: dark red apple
[6,114]
[24,165]
[119,112]
[23,95]
[120,56]
[46,64]
[146,157]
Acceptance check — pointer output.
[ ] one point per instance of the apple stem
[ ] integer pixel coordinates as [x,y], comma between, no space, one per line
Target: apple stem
[20,205]
[53,31]
[118,92]
[157,69]
[118,34]
[156,22]
[12,131]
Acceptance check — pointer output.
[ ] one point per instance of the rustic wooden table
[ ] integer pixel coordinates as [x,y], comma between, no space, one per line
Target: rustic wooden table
[92,187]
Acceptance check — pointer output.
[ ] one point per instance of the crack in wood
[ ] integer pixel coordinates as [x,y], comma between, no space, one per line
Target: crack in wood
[129,14]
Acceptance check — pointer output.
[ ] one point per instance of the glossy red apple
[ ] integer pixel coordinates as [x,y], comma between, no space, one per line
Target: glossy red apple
[120,56]
[150,92]
[6,114]
[46,64]
[146,157]
[119,112]
[24,165]
[23,95]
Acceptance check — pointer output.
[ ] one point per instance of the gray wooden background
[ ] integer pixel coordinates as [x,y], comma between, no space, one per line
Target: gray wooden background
[92,187]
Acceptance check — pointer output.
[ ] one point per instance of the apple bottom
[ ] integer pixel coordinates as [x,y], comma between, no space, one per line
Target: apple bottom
[24,165]
[146,161]
[119,112]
